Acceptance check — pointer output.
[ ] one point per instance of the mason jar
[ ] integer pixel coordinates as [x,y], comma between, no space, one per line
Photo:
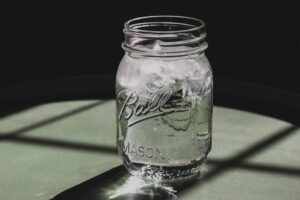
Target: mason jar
[164,88]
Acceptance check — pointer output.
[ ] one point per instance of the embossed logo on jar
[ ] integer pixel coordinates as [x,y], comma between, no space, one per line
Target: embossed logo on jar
[158,104]
[142,151]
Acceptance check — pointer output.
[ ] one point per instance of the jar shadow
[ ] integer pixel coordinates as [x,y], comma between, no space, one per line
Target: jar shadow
[118,184]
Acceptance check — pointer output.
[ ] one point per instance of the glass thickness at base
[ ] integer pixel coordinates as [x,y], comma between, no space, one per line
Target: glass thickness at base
[164,173]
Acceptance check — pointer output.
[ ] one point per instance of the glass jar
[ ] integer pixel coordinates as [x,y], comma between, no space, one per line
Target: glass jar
[164,98]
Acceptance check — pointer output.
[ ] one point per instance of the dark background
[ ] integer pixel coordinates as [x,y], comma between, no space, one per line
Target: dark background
[61,52]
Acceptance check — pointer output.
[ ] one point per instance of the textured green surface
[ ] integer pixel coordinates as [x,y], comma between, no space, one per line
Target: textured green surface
[48,149]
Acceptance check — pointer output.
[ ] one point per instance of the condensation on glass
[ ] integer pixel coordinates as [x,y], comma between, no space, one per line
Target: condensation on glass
[164,98]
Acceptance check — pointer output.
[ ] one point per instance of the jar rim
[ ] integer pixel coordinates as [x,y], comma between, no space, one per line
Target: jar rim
[138,25]
[164,36]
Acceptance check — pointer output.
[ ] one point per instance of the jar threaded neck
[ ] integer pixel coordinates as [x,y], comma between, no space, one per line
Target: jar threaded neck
[164,35]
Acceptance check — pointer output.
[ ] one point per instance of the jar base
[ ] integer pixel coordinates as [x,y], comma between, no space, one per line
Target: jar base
[165,173]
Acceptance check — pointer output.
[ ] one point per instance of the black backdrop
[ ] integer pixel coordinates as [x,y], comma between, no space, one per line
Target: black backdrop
[254,43]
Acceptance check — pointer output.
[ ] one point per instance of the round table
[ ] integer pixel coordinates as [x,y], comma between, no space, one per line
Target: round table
[66,150]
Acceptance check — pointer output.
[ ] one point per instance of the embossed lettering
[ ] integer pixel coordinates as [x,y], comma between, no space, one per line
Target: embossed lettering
[161,154]
[127,148]
[126,103]
[141,151]
[133,150]
[149,152]
[155,103]
[138,109]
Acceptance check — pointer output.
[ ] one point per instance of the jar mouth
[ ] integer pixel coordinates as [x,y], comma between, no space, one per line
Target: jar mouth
[164,35]
[163,24]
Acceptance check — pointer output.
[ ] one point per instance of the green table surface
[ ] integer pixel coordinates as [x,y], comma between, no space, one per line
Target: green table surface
[66,150]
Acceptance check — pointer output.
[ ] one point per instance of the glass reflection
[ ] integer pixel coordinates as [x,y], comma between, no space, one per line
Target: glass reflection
[136,188]
[118,184]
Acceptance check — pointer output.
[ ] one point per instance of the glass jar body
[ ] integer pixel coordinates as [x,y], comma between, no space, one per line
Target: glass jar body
[164,114]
